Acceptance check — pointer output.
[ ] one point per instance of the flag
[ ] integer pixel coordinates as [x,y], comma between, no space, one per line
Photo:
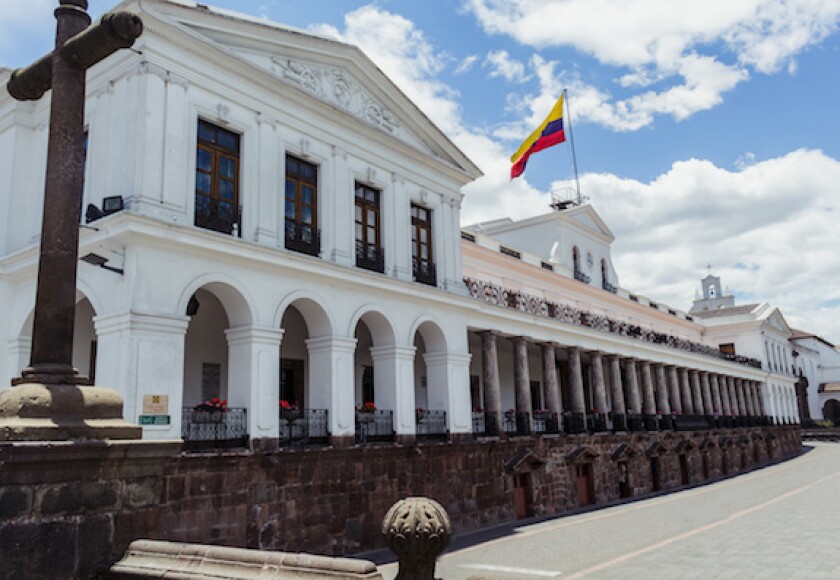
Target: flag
[549,133]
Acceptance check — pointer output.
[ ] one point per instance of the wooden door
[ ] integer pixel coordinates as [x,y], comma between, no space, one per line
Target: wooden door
[522,495]
[583,484]
[684,469]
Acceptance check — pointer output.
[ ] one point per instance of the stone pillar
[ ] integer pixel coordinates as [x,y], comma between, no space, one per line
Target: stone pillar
[393,384]
[577,403]
[762,399]
[490,377]
[522,385]
[663,406]
[331,380]
[619,410]
[634,400]
[724,396]
[696,393]
[144,354]
[739,391]
[716,400]
[676,397]
[648,397]
[733,398]
[748,398]
[254,380]
[596,363]
[550,382]
[685,392]
[706,389]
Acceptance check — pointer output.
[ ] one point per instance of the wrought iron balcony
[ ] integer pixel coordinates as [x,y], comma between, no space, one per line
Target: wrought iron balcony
[431,424]
[304,426]
[370,257]
[374,425]
[214,429]
[574,423]
[546,422]
[609,287]
[218,216]
[303,238]
[581,277]
[425,272]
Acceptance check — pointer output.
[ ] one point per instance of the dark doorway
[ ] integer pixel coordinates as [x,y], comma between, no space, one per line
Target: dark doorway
[624,489]
[291,382]
[584,484]
[724,461]
[684,476]
[831,411]
[367,385]
[655,481]
[522,495]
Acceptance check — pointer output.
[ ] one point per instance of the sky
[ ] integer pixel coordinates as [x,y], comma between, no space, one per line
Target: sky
[706,133]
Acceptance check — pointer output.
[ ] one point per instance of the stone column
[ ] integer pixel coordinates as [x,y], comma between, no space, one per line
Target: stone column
[522,385]
[696,393]
[619,410]
[733,398]
[634,400]
[596,363]
[254,380]
[685,391]
[676,398]
[716,401]
[663,406]
[724,396]
[739,391]
[706,389]
[577,403]
[748,398]
[490,377]
[331,361]
[393,384]
[649,399]
[761,400]
[550,382]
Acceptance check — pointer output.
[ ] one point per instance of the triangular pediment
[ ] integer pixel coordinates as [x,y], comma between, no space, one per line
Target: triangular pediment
[332,73]
[586,216]
[524,461]
[582,454]
[776,321]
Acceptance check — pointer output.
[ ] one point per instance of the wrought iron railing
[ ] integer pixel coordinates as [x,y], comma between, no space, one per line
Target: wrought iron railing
[374,425]
[370,257]
[546,422]
[635,422]
[219,216]
[574,423]
[596,422]
[214,429]
[425,272]
[619,421]
[609,287]
[581,277]
[509,422]
[303,238]
[304,426]
[431,425]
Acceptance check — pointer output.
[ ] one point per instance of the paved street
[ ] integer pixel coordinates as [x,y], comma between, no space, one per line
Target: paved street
[777,522]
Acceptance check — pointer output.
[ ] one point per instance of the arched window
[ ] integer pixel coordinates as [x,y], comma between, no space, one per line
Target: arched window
[712,291]
[576,258]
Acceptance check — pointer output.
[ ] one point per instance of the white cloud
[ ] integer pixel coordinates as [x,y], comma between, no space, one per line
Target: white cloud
[502,65]
[466,64]
[665,42]
[769,230]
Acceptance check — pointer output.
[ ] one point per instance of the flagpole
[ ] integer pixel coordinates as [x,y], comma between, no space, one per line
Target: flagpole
[572,142]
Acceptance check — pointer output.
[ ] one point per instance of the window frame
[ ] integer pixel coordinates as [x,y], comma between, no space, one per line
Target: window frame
[297,237]
[218,153]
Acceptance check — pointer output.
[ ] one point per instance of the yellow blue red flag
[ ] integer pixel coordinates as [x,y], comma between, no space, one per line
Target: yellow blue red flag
[549,133]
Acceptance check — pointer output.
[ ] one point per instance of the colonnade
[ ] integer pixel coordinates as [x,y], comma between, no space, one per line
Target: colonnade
[621,393]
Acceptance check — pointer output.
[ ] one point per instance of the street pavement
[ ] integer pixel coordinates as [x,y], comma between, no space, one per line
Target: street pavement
[782,521]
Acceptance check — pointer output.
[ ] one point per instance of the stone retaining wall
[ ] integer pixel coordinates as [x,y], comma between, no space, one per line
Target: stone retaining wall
[67,510]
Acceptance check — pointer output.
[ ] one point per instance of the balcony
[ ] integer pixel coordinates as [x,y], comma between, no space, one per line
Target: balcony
[581,277]
[609,287]
[546,422]
[304,426]
[303,238]
[425,272]
[431,425]
[375,425]
[370,257]
[217,429]
[218,216]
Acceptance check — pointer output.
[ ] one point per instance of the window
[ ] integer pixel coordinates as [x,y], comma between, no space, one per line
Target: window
[369,254]
[728,349]
[579,275]
[217,180]
[421,245]
[302,234]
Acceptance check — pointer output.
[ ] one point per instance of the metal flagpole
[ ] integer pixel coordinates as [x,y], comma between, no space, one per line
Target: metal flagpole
[572,141]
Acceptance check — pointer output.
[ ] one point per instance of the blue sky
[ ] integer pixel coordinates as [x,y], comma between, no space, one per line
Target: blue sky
[705,132]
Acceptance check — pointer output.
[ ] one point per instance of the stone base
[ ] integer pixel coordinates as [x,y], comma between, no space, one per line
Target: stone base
[40,412]
[343,440]
[405,439]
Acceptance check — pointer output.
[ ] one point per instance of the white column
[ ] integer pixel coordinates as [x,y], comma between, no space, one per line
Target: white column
[448,388]
[401,233]
[331,381]
[451,272]
[393,384]
[178,143]
[270,189]
[143,354]
[254,377]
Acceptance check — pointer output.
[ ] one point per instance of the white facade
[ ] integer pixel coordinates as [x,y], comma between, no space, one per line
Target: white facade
[200,311]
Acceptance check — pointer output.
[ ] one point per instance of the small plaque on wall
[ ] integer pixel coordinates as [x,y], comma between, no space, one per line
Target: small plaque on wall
[154,419]
[156,405]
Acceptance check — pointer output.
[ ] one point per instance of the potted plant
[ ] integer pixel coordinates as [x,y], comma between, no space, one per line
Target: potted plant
[210,411]
[420,414]
[290,411]
[364,413]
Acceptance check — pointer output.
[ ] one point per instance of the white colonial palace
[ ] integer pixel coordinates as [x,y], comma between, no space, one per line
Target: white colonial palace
[272,223]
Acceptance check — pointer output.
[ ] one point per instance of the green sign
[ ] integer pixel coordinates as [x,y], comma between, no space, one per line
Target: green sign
[154,419]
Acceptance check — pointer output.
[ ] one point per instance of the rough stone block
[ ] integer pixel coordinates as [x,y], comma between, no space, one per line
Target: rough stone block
[39,550]
[15,501]
[79,497]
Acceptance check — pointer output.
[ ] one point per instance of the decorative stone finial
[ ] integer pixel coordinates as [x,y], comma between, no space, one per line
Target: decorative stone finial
[417,530]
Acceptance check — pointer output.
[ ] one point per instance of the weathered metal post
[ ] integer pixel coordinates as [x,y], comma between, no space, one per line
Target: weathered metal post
[48,401]
[417,530]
